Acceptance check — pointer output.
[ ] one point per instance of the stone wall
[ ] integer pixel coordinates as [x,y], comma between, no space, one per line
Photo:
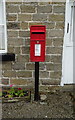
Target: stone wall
[20,16]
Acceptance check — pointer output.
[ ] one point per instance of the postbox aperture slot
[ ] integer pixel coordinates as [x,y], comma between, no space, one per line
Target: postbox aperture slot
[38,33]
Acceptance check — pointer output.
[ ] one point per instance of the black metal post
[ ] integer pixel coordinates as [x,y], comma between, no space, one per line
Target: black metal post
[36,95]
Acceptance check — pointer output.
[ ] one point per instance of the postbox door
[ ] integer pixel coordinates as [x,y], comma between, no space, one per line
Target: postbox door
[37,51]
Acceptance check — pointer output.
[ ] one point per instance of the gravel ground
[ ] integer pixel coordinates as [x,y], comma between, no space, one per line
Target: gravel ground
[56,105]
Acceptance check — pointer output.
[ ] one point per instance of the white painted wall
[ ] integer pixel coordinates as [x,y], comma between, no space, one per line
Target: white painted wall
[69,45]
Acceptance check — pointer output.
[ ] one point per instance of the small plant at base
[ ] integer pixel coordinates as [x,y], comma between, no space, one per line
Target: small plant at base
[15,92]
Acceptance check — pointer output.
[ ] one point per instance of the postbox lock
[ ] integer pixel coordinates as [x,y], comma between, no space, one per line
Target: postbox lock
[37,41]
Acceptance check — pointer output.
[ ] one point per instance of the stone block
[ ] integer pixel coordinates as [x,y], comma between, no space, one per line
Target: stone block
[14,25]
[54,17]
[24,82]
[24,17]
[27,8]
[9,2]
[30,66]
[15,42]
[56,33]
[24,74]
[50,67]
[11,17]
[12,9]
[57,67]
[7,66]
[60,25]
[50,25]
[17,50]
[39,17]
[44,9]
[25,50]
[12,33]
[36,23]
[48,58]
[10,49]
[43,3]
[44,74]
[24,33]
[50,82]
[49,42]
[9,73]
[43,88]
[27,42]
[53,50]
[58,42]
[42,66]
[24,25]
[58,9]
[18,66]
[23,58]
[55,75]
[56,59]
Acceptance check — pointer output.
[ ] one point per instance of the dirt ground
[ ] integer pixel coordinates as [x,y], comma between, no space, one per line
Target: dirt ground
[60,104]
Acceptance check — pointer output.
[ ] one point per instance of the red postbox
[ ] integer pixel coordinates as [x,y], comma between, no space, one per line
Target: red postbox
[37,43]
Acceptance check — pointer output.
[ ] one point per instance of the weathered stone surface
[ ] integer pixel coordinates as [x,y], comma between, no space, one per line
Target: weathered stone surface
[12,33]
[18,66]
[43,88]
[21,82]
[58,42]
[10,49]
[27,9]
[50,67]
[53,50]
[30,66]
[55,75]
[39,17]
[53,67]
[25,50]
[9,73]
[23,58]
[20,16]
[12,9]
[26,74]
[58,9]
[27,42]
[12,17]
[14,25]
[60,25]
[36,23]
[48,58]
[17,50]
[42,66]
[50,25]
[44,74]
[24,17]
[15,41]
[7,66]
[49,42]
[50,82]
[56,59]
[57,67]
[24,33]
[56,33]
[44,9]
[54,17]
[24,25]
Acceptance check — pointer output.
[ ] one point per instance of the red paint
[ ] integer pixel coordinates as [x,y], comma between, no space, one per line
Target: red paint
[37,43]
